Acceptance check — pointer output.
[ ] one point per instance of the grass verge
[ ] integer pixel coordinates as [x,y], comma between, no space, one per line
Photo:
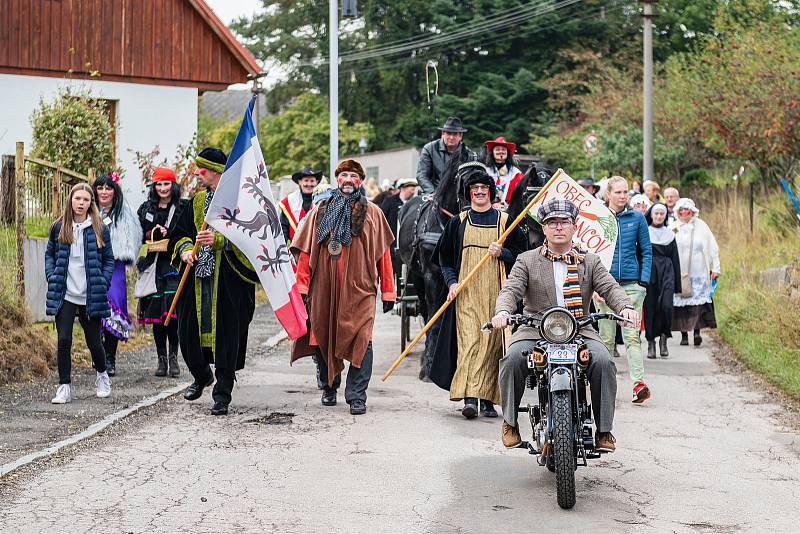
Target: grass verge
[759,325]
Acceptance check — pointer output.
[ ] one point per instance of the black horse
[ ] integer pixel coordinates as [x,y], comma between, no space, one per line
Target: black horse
[421,221]
[535,178]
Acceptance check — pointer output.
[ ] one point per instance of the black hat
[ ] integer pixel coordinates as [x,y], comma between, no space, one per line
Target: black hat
[474,172]
[587,182]
[307,171]
[212,159]
[453,124]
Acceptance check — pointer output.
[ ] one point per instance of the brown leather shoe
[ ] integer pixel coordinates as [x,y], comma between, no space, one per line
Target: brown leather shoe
[605,442]
[511,436]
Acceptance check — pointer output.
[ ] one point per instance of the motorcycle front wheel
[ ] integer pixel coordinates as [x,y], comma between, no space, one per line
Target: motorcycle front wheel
[563,453]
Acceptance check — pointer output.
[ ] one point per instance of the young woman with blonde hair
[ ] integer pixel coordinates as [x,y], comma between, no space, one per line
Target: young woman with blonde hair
[79,263]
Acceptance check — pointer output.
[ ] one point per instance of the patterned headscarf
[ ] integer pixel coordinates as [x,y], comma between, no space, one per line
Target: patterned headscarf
[206,262]
[572,287]
[336,220]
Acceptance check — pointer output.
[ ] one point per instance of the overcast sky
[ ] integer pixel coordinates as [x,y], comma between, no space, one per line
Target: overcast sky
[230,10]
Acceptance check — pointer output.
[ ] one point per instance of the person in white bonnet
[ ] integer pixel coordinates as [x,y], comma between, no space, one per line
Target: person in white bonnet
[700,267]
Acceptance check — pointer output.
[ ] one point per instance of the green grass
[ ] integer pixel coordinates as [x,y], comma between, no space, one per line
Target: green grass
[760,326]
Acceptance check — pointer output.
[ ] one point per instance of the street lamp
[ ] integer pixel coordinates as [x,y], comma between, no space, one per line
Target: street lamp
[362,145]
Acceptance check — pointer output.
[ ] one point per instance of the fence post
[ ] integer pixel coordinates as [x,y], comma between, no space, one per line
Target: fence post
[19,171]
[90,176]
[57,193]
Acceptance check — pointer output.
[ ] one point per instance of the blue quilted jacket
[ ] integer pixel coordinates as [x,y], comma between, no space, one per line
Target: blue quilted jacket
[99,268]
[633,254]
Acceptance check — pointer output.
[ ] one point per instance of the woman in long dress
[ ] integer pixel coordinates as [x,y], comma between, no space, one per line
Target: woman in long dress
[157,216]
[126,237]
[665,281]
[699,254]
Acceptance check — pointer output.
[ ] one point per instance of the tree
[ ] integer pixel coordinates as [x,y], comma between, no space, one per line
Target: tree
[73,131]
[299,136]
[741,94]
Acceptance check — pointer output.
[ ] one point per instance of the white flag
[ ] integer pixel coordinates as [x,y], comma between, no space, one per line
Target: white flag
[245,212]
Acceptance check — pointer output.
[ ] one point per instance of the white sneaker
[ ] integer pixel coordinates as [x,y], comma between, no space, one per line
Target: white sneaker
[103,383]
[63,395]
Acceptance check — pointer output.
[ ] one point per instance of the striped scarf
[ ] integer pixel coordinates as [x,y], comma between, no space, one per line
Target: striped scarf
[572,287]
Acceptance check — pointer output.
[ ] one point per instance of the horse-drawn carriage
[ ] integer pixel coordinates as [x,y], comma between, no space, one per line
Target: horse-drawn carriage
[407,306]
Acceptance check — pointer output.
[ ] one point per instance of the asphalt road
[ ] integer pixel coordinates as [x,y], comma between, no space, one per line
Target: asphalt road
[706,454]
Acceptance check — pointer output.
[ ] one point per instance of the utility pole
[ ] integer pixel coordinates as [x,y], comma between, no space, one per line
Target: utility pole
[647,126]
[333,37]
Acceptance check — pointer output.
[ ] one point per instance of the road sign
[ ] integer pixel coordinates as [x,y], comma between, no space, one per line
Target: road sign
[591,144]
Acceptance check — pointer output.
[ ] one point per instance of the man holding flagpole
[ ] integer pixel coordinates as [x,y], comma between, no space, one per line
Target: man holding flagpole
[343,261]
[217,302]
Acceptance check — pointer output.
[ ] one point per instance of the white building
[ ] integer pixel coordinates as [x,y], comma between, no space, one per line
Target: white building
[390,165]
[149,59]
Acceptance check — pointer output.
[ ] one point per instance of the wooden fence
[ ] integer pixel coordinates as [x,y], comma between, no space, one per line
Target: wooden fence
[39,190]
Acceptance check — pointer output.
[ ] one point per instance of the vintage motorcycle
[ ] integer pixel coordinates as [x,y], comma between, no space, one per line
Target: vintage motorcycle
[562,422]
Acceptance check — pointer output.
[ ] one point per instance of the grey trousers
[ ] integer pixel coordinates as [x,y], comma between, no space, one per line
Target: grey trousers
[357,377]
[602,375]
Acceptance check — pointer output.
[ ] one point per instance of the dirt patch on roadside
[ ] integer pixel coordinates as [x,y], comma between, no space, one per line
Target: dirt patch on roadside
[26,351]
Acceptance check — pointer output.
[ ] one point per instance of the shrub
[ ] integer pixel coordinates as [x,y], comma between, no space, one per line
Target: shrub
[73,130]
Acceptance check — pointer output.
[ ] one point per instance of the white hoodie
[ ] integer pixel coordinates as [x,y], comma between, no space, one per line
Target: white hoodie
[76,272]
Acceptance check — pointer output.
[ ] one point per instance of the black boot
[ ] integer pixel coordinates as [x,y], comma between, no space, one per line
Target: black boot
[470,410]
[111,364]
[697,339]
[685,338]
[651,349]
[662,346]
[487,409]
[162,365]
[174,369]
[329,397]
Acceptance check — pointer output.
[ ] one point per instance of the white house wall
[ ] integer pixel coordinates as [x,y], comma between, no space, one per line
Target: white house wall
[147,115]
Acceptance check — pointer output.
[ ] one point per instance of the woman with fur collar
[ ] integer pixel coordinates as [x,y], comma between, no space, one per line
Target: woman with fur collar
[126,237]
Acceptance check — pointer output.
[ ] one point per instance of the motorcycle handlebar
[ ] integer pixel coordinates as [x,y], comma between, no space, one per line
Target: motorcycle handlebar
[533,320]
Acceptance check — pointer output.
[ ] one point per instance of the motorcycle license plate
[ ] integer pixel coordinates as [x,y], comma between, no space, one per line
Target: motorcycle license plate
[562,353]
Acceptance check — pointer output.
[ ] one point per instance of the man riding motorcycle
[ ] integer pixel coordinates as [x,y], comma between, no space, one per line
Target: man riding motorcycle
[559,274]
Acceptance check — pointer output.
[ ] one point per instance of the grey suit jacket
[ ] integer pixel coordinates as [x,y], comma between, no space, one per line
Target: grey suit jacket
[531,279]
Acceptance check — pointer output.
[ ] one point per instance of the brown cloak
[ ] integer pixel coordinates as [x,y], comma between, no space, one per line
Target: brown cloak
[341,315]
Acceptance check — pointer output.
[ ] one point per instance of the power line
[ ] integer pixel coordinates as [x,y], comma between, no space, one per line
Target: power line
[455,27]
[477,43]
[481,22]
[534,11]
[475,28]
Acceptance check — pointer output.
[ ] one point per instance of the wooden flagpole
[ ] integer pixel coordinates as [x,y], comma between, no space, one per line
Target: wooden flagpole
[469,276]
[183,279]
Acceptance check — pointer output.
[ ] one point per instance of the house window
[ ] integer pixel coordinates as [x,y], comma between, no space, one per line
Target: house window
[110,109]
[373,172]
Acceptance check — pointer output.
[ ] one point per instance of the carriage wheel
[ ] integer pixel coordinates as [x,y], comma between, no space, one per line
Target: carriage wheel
[405,326]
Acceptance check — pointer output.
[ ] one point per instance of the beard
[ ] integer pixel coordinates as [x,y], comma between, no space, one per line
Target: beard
[348,188]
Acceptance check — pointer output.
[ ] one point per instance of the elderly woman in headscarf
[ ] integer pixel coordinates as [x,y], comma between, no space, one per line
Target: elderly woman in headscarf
[665,281]
[640,203]
[699,254]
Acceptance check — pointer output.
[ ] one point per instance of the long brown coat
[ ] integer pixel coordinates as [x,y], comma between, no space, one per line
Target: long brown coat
[531,280]
[342,292]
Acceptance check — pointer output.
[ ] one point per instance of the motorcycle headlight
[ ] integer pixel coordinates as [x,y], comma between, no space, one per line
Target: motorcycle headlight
[558,326]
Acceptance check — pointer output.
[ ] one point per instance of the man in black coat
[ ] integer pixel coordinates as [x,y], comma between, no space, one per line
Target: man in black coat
[436,155]
[407,188]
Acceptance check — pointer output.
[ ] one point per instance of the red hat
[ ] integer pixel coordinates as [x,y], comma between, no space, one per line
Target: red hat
[163,174]
[501,141]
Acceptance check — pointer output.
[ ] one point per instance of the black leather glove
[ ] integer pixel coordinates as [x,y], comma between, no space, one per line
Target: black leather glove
[388,306]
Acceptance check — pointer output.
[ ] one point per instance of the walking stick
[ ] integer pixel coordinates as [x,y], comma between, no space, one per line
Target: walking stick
[184,276]
[469,276]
